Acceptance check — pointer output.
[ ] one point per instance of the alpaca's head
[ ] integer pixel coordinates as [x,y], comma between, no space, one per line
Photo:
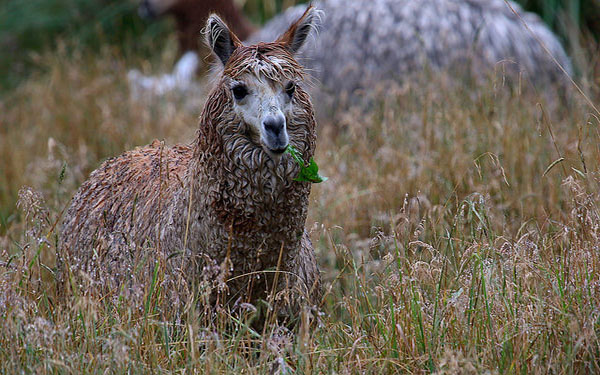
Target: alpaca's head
[262,84]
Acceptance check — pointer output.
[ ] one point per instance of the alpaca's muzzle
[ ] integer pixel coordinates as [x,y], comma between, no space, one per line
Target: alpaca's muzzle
[275,137]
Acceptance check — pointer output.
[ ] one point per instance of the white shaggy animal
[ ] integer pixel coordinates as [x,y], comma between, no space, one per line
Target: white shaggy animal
[362,44]
[181,79]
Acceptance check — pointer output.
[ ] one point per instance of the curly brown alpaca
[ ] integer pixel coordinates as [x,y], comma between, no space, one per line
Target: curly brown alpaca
[224,208]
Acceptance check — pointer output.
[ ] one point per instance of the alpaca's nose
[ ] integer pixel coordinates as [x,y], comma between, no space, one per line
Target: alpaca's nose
[274,124]
[275,136]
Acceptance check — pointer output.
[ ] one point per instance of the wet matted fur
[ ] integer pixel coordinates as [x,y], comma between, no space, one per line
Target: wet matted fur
[221,213]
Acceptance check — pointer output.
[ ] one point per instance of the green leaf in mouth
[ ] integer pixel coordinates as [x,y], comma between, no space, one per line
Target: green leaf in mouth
[308,173]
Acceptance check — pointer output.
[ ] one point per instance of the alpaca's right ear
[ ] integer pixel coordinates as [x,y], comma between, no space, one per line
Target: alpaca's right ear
[220,39]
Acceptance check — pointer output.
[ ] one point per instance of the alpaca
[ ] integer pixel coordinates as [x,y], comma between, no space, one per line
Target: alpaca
[226,204]
[361,44]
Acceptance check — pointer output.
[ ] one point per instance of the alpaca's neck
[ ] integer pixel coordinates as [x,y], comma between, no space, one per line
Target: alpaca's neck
[247,208]
[247,191]
[242,200]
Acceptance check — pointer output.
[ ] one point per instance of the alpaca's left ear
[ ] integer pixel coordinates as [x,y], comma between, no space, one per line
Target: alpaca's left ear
[220,39]
[296,35]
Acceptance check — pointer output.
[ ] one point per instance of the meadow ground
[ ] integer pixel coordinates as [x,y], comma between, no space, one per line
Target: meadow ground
[459,232]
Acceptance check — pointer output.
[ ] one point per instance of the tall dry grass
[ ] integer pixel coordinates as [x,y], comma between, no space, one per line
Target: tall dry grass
[458,233]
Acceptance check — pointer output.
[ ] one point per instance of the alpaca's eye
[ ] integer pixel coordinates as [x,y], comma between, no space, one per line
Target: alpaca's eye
[290,88]
[239,91]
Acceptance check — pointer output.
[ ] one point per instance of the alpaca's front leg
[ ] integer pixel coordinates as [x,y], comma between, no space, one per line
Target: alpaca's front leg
[300,283]
[305,267]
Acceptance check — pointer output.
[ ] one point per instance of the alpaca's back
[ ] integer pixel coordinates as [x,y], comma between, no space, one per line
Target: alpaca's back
[362,43]
[123,205]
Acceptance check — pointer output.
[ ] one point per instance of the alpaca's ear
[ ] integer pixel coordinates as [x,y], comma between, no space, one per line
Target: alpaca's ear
[296,35]
[220,40]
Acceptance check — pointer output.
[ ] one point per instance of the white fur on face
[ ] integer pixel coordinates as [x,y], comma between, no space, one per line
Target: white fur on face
[161,6]
[265,98]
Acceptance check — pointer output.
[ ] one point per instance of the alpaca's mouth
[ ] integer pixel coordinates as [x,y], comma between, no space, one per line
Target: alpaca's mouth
[278,151]
[274,154]
[275,151]
[275,146]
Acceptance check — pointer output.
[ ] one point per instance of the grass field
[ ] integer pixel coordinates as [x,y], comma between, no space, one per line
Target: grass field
[459,232]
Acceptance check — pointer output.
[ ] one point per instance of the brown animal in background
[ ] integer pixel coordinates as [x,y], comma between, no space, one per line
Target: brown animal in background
[228,203]
[191,15]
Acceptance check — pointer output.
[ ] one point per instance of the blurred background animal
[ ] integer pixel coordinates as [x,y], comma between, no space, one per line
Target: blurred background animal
[363,45]
[190,17]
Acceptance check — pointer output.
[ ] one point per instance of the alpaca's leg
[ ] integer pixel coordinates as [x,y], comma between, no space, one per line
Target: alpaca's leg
[308,282]
[300,286]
